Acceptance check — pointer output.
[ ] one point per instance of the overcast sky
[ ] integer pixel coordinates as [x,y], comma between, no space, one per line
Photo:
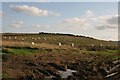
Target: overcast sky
[95,19]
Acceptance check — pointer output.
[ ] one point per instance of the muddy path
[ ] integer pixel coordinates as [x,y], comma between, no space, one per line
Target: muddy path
[48,66]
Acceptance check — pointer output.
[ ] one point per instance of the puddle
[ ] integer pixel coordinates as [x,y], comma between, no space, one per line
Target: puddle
[65,74]
[49,78]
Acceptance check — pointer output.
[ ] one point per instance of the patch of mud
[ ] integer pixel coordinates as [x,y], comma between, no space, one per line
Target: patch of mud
[67,73]
[57,66]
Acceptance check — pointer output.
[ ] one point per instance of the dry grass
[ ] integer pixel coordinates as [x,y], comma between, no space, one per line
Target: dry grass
[36,45]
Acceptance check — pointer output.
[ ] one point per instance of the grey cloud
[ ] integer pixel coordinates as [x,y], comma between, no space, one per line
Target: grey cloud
[103,27]
[107,22]
[113,20]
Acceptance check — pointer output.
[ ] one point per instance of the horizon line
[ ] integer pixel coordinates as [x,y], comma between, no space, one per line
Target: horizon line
[60,33]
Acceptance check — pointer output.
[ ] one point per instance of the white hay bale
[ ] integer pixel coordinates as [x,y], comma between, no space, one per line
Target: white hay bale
[32,43]
[72,44]
[92,45]
[101,45]
[39,38]
[60,44]
[22,39]
[45,39]
[15,37]
[4,37]
[9,37]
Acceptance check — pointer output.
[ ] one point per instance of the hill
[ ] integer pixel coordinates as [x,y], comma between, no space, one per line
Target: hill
[64,39]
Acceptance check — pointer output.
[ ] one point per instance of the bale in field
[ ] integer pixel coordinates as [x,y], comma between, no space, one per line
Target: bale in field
[15,37]
[22,39]
[92,45]
[45,39]
[32,43]
[4,37]
[101,45]
[9,37]
[60,44]
[39,38]
[72,44]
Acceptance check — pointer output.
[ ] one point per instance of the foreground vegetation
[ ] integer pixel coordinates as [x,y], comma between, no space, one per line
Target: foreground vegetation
[92,59]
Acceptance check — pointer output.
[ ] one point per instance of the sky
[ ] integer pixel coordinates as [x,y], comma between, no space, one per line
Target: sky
[93,19]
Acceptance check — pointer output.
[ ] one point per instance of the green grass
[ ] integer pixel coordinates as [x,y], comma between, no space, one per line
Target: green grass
[23,51]
[109,52]
[32,50]
[106,55]
[109,55]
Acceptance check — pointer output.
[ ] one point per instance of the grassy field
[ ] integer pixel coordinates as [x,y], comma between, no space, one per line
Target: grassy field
[92,59]
[79,41]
